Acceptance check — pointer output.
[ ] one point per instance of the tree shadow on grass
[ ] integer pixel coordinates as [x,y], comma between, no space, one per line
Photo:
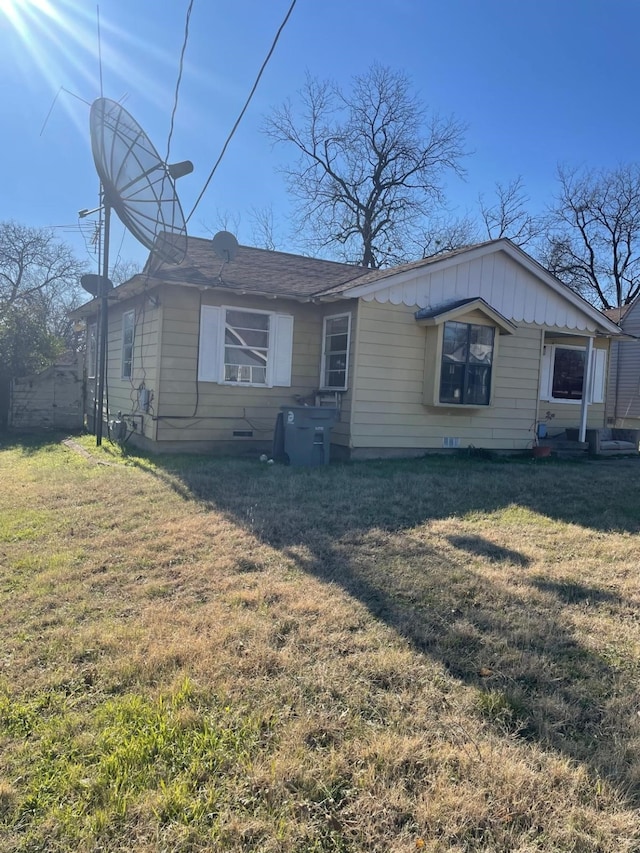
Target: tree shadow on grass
[481,547]
[574,592]
[31,443]
[366,529]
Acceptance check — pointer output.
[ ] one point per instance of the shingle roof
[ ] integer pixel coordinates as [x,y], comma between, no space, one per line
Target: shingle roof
[617,314]
[272,273]
[259,271]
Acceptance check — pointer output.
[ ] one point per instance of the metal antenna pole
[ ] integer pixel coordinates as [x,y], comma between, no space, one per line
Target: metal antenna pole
[104,325]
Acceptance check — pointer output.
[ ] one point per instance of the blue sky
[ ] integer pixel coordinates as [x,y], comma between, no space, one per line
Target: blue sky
[537,83]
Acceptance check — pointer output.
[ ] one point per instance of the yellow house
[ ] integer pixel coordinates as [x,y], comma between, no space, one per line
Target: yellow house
[471,348]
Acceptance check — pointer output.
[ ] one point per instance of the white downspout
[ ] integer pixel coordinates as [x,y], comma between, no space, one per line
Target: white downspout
[586,390]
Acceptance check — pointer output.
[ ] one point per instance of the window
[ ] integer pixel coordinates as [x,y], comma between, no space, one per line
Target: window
[246,347]
[128,324]
[467,358]
[563,371]
[335,352]
[568,374]
[240,347]
[92,350]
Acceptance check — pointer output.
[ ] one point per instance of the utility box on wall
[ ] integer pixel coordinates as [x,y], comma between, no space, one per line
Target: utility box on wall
[306,434]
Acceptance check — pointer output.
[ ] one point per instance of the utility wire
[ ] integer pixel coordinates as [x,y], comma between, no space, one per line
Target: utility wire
[176,97]
[243,111]
[178,81]
[99,49]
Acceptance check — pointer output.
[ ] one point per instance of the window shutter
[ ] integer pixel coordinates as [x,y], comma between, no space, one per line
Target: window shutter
[598,376]
[209,366]
[282,349]
[546,368]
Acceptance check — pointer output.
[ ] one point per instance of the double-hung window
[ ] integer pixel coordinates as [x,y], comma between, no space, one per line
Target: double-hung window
[467,360]
[246,346]
[239,346]
[335,352]
[128,327]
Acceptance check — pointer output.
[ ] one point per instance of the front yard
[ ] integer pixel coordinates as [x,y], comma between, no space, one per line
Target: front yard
[199,654]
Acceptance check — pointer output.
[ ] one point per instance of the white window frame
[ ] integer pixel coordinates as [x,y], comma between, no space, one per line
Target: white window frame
[596,390]
[128,324]
[269,363]
[323,361]
[211,354]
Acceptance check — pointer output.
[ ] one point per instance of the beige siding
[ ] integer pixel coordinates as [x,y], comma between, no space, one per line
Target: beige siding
[341,431]
[384,407]
[191,411]
[395,359]
[123,395]
[389,411]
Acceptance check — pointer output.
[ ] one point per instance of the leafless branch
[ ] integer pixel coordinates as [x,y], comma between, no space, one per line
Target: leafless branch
[370,164]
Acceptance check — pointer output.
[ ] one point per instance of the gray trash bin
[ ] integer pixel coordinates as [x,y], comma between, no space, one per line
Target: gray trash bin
[307,434]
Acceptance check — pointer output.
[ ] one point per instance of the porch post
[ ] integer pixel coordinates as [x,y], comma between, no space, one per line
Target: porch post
[586,389]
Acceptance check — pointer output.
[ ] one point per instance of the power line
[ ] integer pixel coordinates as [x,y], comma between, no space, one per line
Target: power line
[244,109]
[178,81]
[99,49]
[176,96]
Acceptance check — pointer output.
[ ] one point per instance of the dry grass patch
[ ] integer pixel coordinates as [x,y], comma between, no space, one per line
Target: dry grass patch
[213,654]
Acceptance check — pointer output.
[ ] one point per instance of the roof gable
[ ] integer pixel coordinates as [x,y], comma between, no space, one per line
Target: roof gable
[508,279]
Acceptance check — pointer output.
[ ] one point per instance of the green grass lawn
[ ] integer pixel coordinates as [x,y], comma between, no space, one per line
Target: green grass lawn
[202,654]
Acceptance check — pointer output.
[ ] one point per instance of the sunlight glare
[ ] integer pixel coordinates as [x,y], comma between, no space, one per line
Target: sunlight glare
[58,38]
[16,10]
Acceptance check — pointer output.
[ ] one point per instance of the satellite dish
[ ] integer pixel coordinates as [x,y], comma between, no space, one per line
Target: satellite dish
[139,186]
[96,285]
[136,182]
[225,245]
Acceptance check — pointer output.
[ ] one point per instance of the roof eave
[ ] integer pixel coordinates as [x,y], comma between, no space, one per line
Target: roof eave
[505,326]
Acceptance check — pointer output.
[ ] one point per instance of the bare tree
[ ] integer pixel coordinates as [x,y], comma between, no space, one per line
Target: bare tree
[371,164]
[35,266]
[264,228]
[39,282]
[594,237]
[507,215]
[123,270]
[446,235]
[224,220]
[39,275]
